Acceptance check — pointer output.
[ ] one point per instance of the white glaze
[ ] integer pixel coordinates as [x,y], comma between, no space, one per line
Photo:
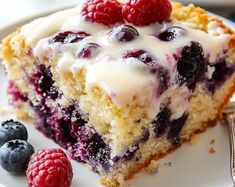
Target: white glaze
[210,71]
[214,29]
[125,81]
[44,27]
[115,79]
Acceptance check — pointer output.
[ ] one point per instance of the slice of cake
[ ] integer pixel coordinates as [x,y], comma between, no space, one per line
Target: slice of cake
[120,84]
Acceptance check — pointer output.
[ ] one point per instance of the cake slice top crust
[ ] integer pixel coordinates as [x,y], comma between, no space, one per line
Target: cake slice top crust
[124,61]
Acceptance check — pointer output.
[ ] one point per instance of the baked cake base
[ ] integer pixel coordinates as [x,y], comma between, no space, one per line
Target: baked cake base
[55,107]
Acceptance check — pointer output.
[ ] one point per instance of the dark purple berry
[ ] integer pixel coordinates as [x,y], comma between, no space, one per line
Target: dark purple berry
[191,64]
[11,130]
[15,156]
[162,121]
[171,34]
[176,128]
[15,94]
[145,136]
[163,78]
[62,130]
[141,55]
[130,154]
[72,114]
[44,84]
[43,112]
[79,150]
[97,149]
[222,72]
[68,37]
[123,33]
[89,51]
[59,123]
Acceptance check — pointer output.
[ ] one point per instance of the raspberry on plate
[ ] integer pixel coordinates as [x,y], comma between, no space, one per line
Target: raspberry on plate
[107,12]
[145,12]
[49,167]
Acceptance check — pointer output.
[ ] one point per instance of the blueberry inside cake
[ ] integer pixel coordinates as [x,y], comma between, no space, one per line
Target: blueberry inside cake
[118,84]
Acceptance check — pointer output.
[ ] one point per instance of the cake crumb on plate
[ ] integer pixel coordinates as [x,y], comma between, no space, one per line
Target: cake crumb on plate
[212,141]
[212,150]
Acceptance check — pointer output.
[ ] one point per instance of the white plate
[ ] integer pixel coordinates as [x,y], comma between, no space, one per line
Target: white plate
[191,165]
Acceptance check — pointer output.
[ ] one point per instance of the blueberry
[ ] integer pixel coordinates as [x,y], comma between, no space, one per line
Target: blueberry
[79,150]
[10,130]
[191,64]
[15,94]
[141,55]
[176,128]
[162,121]
[171,34]
[44,84]
[15,156]
[123,33]
[130,154]
[88,51]
[163,77]
[222,72]
[68,37]
[97,149]
[72,115]
[145,136]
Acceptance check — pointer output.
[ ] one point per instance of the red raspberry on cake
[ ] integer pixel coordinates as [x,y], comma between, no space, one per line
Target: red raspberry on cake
[49,168]
[107,12]
[145,12]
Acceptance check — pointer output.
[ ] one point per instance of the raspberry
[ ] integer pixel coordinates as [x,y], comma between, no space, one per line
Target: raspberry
[107,12]
[49,167]
[145,12]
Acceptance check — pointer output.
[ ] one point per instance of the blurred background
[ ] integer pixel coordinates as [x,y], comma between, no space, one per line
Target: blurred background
[14,10]
[225,8]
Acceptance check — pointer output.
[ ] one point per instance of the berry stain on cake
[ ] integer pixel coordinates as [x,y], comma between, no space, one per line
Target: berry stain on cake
[117,84]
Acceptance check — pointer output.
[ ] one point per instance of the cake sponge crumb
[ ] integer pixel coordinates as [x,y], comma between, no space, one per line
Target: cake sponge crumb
[195,139]
[152,167]
[3,110]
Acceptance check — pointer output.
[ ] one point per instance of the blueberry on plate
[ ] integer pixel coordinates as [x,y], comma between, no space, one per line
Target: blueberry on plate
[11,130]
[15,156]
